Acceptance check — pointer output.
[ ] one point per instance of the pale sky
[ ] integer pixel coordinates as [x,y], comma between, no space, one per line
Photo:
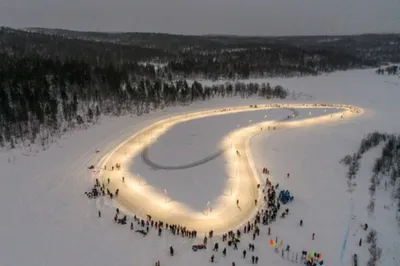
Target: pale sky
[241,17]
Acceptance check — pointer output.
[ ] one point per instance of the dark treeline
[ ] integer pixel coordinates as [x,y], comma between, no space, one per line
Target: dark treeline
[386,167]
[42,98]
[261,62]
[379,48]
[210,57]
[26,44]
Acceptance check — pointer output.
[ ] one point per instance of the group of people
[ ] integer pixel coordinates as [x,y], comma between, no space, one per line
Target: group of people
[93,193]
[117,167]
[232,239]
[264,216]
[265,171]
[101,190]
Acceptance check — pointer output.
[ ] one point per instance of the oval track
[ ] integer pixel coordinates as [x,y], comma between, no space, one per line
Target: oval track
[141,199]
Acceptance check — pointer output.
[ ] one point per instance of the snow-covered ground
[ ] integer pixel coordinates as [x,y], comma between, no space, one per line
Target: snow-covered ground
[47,220]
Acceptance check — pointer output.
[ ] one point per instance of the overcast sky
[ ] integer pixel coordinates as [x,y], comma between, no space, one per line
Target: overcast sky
[242,17]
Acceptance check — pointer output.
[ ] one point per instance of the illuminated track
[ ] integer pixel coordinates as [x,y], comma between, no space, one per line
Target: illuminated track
[137,197]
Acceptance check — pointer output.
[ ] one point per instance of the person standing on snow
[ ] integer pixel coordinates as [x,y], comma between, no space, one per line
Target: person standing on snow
[216,246]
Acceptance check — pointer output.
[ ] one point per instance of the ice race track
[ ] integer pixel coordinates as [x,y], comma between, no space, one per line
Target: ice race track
[198,168]
[246,184]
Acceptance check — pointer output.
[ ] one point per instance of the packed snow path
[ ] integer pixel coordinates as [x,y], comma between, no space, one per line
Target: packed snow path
[141,199]
[146,158]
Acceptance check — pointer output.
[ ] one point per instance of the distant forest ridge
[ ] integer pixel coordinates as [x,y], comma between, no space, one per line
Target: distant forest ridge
[59,31]
[209,57]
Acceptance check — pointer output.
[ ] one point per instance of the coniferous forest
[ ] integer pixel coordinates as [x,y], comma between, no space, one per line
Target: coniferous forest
[52,81]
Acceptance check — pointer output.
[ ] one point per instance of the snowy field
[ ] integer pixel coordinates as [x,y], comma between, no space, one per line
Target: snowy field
[47,220]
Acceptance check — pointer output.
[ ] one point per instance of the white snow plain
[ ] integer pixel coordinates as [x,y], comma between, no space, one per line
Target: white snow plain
[47,219]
